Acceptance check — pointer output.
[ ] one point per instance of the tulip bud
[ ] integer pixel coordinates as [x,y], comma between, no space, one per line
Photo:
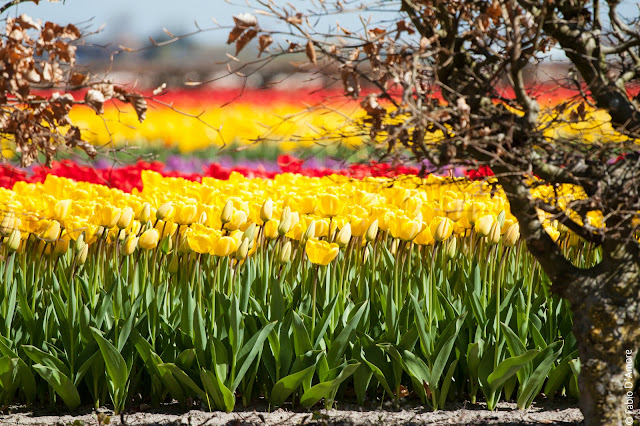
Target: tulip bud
[129,245]
[250,232]
[183,244]
[451,249]
[173,265]
[266,212]
[372,231]
[443,229]
[366,254]
[8,223]
[202,220]
[13,240]
[61,210]
[149,239]
[309,233]
[145,213]
[484,224]
[494,234]
[501,217]
[82,255]
[166,244]
[99,231]
[227,212]
[243,250]
[125,219]
[80,243]
[165,211]
[285,225]
[344,236]
[285,253]
[394,246]
[511,235]
[285,212]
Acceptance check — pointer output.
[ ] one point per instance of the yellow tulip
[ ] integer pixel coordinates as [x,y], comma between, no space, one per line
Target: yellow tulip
[271,229]
[475,210]
[285,225]
[453,208]
[129,245]
[126,218]
[8,223]
[145,213]
[494,233]
[81,257]
[330,205]
[149,239]
[61,245]
[266,211]
[310,232]
[165,211]
[404,228]
[359,226]
[61,210]
[344,236]
[372,231]
[200,242]
[107,215]
[285,253]
[13,240]
[227,212]
[321,252]
[307,205]
[321,228]
[185,214]
[424,237]
[243,250]
[237,219]
[484,223]
[52,232]
[512,234]
[441,228]
[224,246]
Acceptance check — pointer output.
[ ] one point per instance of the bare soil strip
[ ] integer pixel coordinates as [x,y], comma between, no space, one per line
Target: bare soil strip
[557,412]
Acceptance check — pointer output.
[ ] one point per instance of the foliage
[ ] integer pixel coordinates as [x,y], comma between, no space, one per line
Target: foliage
[200,300]
[39,61]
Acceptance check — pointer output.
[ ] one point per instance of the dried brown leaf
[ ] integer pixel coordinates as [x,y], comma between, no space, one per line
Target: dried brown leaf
[245,39]
[234,34]
[295,19]
[78,79]
[264,40]
[139,104]
[95,100]
[311,52]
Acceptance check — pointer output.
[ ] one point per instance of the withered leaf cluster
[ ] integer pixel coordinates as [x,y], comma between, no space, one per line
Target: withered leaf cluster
[40,84]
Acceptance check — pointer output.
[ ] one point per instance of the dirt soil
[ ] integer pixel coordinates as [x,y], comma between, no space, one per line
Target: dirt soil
[559,412]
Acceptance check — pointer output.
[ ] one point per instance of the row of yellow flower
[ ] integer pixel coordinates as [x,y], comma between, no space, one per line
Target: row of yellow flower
[284,120]
[217,216]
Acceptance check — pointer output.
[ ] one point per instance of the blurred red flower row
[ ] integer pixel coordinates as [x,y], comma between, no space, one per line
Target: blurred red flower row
[128,177]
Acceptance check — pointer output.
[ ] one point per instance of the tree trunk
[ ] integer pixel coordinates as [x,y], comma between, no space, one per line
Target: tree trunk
[606,323]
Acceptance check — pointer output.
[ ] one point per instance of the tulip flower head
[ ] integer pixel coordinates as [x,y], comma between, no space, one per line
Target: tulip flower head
[149,239]
[321,252]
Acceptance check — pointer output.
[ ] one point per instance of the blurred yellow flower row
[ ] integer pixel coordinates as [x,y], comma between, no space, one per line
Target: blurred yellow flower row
[292,122]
